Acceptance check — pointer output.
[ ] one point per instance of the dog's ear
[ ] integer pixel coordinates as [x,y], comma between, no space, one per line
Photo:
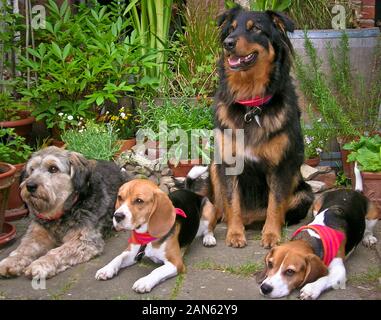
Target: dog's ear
[23,175]
[163,215]
[281,21]
[79,172]
[261,275]
[224,20]
[315,269]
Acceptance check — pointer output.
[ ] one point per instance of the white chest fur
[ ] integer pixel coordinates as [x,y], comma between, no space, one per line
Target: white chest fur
[157,255]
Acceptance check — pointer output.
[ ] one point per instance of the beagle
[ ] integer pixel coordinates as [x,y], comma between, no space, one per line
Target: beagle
[313,259]
[162,225]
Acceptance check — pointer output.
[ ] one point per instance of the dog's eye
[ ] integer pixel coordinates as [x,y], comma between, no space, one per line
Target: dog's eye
[53,169]
[289,272]
[270,265]
[138,200]
[120,198]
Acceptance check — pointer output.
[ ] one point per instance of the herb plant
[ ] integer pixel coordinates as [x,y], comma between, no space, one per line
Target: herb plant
[13,148]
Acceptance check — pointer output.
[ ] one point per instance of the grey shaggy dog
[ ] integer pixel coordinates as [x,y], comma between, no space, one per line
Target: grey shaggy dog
[71,201]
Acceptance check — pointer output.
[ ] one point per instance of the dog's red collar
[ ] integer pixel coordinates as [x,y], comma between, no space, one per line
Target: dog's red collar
[257,101]
[58,214]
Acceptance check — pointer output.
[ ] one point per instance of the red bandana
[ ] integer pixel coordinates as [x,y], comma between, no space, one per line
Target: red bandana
[330,238]
[145,238]
[255,102]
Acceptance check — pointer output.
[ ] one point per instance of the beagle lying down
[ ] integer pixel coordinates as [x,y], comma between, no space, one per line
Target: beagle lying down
[161,226]
[313,259]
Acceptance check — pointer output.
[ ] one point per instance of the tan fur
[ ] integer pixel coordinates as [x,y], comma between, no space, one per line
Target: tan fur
[209,214]
[218,191]
[173,251]
[372,213]
[272,150]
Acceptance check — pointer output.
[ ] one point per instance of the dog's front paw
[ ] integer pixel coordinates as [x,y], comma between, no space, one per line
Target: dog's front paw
[107,272]
[40,269]
[310,291]
[144,284]
[209,240]
[236,240]
[13,266]
[269,240]
[369,240]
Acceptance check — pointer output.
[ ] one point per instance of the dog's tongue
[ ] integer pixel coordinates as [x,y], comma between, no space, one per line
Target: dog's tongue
[234,61]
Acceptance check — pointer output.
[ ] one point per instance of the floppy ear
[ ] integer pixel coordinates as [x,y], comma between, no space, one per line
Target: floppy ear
[315,269]
[261,275]
[226,17]
[281,21]
[163,215]
[79,172]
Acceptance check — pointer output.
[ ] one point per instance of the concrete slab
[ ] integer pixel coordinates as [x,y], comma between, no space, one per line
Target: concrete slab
[218,273]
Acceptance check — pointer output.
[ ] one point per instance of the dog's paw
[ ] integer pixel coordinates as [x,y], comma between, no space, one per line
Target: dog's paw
[144,284]
[209,240]
[236,240]
[40,269]
[107,272]
[369,240]
[12,267]
[310,291]
[269,240]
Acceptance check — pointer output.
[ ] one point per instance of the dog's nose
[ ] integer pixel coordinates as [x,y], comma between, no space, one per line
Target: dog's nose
[266,288]
[119,216]
[31,187]
[229,43]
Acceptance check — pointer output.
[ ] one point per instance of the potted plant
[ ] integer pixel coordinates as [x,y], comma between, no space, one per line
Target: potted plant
[366,152]
[15,151]
[7,172]
[98,141]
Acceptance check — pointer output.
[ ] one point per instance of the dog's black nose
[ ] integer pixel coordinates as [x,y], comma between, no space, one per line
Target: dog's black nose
[31,187]
[266,288]
[119,216]
[229,43]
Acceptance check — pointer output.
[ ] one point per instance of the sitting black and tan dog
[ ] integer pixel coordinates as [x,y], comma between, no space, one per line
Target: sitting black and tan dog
[71,201]
[162,225]
[314,258]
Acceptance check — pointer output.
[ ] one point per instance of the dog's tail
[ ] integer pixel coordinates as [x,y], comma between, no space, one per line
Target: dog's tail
[358,185]
[193,174]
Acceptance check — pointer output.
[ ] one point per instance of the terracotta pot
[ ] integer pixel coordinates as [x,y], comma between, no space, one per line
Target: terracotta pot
[183,167]
[8,233]
[16,208]
[312,162]
[7,173]
[154,151]
[346,165]
[58,143]
[23,127]
[372,187]
[125,145]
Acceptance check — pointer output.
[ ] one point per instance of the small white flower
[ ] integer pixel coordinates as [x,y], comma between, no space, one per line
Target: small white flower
[61,114]
[81,130]
[70,118]
[319,150]
[319,120]
[123,115]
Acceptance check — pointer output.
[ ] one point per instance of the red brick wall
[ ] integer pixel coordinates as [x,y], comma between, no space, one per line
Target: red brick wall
[366,12]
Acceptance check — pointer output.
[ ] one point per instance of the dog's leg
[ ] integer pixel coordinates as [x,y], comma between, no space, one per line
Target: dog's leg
[217,191]
[335,279]
[34,244]
[275,217]
[370,222]
[78,246]
[207,224]
[125,259]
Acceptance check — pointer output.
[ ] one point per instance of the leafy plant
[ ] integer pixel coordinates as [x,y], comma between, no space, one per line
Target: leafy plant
[85,62]
[9,107]
[124,122]
[263,5]
[151,21]
[367,152]
[13,148]
[96,141]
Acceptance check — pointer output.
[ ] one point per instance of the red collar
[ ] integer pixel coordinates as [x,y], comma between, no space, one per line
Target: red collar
[257,101]
[145,238]
[57,215]
[331,240]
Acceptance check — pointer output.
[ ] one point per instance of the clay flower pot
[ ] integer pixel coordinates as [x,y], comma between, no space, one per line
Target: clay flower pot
[23,126]
[125,145]
[183,167]
[312,162]
[7,176]
[16,208]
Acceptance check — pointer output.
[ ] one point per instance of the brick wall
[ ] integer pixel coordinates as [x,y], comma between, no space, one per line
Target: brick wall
[365,12]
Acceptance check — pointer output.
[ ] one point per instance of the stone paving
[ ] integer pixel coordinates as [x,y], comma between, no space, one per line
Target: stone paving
[218,273]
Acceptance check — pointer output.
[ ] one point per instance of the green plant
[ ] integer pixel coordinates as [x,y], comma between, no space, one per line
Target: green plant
[151,21]
[9,107]
[13,148]
[85,62]
[342,180]
[276,5]
[97,141]
[325,100]
[124,122]
[366,152]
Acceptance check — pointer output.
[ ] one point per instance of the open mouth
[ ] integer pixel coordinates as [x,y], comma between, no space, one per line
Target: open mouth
[242,62]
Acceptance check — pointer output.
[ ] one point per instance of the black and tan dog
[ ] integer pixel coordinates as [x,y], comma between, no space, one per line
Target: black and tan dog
[256,94]
[71,200]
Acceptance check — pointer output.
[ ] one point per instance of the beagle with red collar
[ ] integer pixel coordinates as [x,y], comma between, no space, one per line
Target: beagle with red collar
[313,259]
[162,225]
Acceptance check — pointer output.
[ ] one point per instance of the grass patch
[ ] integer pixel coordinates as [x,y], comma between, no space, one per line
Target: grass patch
[178,285]
[121,297]
[2,295]
[373,275]
[64,290]
[245,270]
